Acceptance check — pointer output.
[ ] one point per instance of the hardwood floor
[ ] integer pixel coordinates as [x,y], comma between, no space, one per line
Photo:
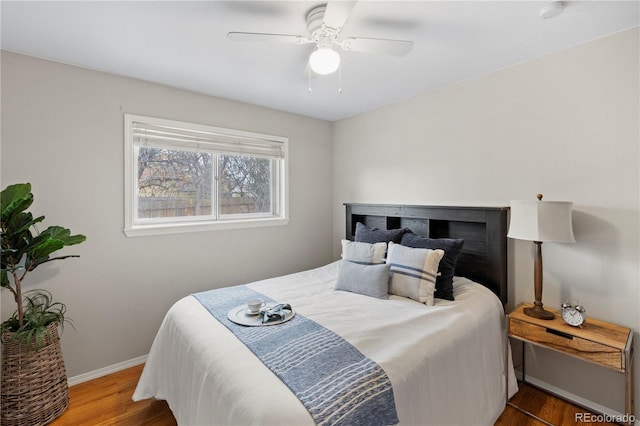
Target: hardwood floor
[555,411]
[107,401]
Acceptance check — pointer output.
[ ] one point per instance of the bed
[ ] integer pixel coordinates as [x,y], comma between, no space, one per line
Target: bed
[446,364]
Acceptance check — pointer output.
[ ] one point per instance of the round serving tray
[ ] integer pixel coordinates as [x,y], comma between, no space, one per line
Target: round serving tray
[240,316]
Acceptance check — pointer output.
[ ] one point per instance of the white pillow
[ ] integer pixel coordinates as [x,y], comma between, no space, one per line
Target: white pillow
[413,272]
[363,253]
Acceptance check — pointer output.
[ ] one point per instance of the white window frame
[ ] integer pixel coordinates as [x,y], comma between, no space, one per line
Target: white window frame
[229,138]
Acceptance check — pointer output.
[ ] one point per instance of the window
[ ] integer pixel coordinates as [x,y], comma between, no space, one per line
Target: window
[183,177]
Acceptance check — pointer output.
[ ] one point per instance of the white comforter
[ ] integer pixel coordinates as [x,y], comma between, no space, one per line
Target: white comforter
[446,362]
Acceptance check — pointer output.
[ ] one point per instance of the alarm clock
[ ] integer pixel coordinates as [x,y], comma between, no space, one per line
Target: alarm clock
[573,313]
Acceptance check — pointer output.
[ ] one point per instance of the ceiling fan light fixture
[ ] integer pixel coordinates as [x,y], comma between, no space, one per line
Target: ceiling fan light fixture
[324,60]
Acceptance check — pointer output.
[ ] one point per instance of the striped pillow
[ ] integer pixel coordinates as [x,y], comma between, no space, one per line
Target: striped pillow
[363,253]
[413,272]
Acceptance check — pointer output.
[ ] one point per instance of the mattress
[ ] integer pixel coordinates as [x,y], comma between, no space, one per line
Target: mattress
[447,363]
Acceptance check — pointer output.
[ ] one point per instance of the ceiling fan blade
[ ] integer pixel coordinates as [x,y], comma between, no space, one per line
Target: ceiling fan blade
[264,37]
[337,12]
[377,45]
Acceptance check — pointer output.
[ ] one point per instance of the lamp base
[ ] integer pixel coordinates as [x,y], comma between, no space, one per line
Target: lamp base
[537,311]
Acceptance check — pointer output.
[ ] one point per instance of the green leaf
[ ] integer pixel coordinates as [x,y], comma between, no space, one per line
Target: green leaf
[42,250]
[63,234]
[15,198]
[20,222]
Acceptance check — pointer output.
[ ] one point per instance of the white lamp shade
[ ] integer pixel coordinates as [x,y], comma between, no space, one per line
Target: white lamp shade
[548,221]
[324,60]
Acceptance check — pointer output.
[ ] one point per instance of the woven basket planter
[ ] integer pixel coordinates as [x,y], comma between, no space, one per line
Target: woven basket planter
[34,388]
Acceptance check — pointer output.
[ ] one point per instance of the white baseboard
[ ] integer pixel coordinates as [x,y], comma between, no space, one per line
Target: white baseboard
[106,370]
[578,400]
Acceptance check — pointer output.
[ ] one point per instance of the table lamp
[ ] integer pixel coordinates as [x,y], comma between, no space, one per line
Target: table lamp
[540,221]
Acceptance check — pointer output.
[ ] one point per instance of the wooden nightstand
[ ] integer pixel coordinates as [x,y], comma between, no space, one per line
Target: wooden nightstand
[605,344]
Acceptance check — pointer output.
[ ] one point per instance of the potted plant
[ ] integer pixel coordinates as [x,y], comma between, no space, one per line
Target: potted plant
[33,385]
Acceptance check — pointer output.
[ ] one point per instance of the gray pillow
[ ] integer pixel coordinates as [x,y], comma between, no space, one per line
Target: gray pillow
[370,280]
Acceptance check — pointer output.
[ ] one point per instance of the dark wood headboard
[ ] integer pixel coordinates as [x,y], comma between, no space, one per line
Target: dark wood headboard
[484,230]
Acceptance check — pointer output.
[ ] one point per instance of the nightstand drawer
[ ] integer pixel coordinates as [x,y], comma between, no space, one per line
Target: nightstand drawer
[567,342]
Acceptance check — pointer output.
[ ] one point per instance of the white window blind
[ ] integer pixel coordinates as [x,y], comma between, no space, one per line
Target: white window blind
[153,135]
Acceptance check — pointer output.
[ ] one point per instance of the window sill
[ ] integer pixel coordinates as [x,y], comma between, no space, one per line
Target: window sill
[182,228]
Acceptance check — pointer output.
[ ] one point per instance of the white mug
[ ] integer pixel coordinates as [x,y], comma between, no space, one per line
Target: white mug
[254,306]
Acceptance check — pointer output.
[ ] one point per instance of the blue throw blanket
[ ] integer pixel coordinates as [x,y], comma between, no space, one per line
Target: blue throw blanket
[333,380]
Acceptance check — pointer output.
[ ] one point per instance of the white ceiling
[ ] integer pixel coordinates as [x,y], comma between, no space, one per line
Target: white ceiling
[184,44]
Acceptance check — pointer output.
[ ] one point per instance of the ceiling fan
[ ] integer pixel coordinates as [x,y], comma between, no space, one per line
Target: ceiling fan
[324,24]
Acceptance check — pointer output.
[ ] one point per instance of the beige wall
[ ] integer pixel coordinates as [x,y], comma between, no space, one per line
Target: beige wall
[62,130]
[565,125]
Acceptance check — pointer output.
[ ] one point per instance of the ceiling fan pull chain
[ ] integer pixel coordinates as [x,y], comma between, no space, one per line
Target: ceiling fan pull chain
[340,79]
[309,68]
